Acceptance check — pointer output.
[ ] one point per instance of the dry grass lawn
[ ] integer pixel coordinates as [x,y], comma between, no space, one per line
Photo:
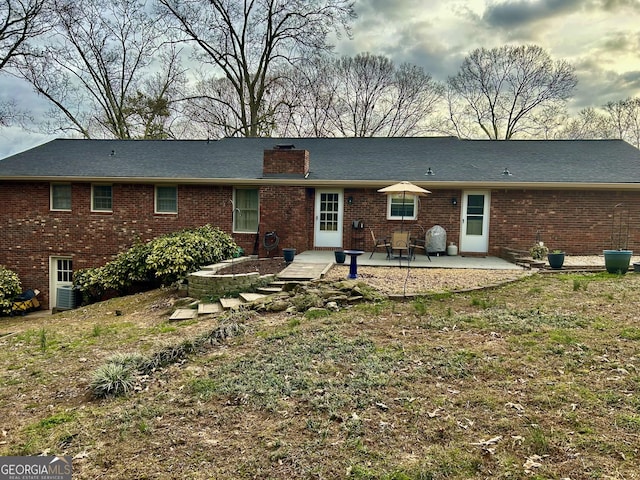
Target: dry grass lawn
[539,378]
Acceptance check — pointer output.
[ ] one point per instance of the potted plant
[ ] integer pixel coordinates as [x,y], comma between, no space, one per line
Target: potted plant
[288,254]
[538,251]
[555,259]
[617,259]
[340,255]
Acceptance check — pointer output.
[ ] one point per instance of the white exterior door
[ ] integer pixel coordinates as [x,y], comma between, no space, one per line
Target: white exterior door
[474,223]
[60,275]
[328,218]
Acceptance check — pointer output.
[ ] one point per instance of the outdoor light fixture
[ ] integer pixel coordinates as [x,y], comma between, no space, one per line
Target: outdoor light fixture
[454,201]
[429,171]
[349,200]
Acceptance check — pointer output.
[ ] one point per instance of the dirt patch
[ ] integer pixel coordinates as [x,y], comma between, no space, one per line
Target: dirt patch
[264,266]
[396,280]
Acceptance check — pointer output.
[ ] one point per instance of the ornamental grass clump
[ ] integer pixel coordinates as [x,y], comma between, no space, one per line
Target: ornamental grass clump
[117,376]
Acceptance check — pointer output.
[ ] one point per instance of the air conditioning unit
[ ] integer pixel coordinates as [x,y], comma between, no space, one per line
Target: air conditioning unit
[66,298]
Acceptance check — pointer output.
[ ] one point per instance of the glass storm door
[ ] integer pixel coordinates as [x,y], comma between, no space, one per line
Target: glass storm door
[474,223]
[328,218]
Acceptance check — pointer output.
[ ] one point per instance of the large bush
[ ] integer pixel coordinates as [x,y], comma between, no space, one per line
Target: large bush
[9,288]
[164,260]
[174,256]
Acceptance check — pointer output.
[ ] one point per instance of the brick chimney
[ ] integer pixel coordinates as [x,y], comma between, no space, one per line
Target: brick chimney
[285,160]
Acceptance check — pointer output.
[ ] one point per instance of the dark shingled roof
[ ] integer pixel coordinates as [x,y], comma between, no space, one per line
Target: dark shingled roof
[357,160]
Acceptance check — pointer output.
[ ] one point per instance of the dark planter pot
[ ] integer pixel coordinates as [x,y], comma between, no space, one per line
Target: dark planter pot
[340,256]
[556,260]
[288,254]
[617,261]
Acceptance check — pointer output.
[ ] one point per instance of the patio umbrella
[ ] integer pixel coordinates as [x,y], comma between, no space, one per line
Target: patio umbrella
[404,188]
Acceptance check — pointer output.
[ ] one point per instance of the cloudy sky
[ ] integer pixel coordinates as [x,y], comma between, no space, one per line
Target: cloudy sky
[601,38]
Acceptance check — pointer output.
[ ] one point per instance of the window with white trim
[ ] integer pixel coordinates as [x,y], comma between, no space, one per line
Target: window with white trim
[246,210]
[166,199]
[101,198]
[64,270]
[402,206]
[61,196]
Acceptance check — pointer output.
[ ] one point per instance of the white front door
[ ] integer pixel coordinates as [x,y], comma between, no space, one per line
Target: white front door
[328,218]
[474,223]
[60,275]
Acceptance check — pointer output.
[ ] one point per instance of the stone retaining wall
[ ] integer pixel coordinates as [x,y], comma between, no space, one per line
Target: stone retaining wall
[207,283]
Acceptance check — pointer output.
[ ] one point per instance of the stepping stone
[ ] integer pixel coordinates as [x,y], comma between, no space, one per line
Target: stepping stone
[230,303]
[269,290]
[250,297]
[206,308]
[184,314]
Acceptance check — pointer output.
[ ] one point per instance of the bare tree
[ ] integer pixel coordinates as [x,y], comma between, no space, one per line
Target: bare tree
[373,97]
[20,22]
[94,66]
[500,88]
[589,124]
[249,41]
[151,111]
[306,96]
[547,123]
[625,119]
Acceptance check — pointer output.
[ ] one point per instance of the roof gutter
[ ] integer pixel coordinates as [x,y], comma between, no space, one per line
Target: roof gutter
[311,182]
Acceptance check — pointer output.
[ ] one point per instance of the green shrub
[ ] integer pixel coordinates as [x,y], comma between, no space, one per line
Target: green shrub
[174,256]
[9,287]
[164,260]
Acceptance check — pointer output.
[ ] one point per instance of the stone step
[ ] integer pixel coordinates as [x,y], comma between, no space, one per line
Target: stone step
[251,297]
[269,290]
[209,308]
[230,303]
[184,314]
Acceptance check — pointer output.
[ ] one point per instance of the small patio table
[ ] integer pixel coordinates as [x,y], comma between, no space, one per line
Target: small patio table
[353,265]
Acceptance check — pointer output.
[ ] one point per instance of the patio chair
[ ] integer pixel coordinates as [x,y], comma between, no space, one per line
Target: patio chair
[419,243]
[379,242]
[401,241]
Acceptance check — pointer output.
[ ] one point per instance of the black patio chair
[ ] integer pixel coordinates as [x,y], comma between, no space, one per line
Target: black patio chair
[379,242]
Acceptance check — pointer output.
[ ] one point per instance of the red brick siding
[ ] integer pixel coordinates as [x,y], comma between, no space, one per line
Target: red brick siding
[370,207]
[30,233]
[286,161]
[579,222]
[288,211]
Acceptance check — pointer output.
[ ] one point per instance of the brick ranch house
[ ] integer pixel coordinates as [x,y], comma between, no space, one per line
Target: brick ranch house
[71,204]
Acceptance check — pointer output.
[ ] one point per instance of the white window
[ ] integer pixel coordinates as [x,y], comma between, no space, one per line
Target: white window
[246,210]
[64,271]
[60,196]
[101,198]
[402,206]
[166,199]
